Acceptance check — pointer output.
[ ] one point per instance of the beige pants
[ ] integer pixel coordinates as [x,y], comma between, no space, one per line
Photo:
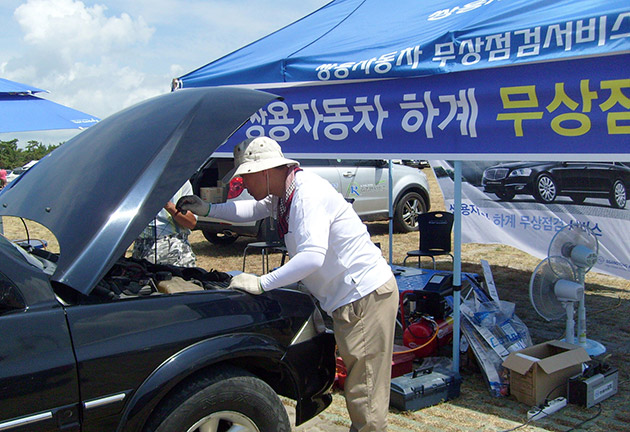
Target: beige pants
[364,331]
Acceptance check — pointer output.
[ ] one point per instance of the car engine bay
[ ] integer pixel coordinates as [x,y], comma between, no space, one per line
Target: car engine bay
[131,277]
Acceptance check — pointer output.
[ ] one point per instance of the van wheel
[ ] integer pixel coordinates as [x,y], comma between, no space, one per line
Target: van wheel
[407,210]
[220,239]
[229,399]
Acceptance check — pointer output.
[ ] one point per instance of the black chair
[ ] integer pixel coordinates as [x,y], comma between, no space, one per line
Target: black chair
[435,236]
[272,243]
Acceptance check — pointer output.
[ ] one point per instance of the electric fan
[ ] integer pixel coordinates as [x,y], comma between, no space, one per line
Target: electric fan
[554,290]
[578,244]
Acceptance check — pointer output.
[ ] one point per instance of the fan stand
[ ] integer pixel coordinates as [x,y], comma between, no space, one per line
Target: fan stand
[569,332]
[593,348]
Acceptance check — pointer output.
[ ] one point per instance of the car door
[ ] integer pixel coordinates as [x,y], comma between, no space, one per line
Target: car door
[365,183]
[570,176]
[38,377]
[601,176]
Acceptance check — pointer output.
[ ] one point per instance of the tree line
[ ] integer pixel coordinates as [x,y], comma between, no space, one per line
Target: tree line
[13,157]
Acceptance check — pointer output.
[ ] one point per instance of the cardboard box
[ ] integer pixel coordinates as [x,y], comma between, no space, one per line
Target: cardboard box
[542,371]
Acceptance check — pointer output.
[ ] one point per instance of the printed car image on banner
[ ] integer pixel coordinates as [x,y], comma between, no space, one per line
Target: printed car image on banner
[523,204]
[577,109]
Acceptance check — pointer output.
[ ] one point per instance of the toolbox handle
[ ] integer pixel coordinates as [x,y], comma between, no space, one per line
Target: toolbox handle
[423,371]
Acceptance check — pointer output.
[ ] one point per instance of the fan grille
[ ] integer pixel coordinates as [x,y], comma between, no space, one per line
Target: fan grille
[574,238]
[541,286]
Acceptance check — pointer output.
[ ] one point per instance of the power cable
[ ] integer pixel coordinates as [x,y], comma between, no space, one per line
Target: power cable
[599,411]
[540,408]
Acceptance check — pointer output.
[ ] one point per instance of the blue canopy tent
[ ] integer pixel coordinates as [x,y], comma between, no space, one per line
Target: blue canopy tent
[8,86]
[442,79]
[21,110]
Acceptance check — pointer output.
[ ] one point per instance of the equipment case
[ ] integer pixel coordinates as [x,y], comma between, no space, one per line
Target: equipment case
[424,387]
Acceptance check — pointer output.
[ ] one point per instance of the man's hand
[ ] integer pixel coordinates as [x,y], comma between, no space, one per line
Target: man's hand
[194,204]
[246,282]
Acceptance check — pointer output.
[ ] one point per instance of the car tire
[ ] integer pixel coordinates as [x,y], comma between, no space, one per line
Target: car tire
[545,189]
[618,195]
[505,195]
[407,210]
[220,239]
[229,397]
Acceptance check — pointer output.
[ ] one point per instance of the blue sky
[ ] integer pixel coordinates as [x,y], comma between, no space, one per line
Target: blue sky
[102,56]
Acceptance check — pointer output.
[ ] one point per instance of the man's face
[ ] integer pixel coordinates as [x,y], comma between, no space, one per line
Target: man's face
[256,184]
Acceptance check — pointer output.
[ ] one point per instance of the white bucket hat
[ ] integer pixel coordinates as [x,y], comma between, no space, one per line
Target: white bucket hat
[258,154]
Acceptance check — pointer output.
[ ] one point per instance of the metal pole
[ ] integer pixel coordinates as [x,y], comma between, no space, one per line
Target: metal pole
[391,214]
[457,263]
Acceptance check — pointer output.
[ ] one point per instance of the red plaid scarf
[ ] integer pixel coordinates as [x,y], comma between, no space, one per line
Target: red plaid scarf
[284,204]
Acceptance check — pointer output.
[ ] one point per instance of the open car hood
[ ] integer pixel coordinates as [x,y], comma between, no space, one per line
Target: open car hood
[98,191]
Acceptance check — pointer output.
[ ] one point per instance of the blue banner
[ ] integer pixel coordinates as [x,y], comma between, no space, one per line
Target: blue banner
[572,109]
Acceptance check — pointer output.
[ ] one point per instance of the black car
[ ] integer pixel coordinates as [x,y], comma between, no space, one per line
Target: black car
[548,180]
[93,341]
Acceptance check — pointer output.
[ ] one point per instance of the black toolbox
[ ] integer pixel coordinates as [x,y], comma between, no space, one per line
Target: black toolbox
[424,387]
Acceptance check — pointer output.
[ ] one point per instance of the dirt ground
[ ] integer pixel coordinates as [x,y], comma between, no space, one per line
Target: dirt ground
[608,305]
[608,309]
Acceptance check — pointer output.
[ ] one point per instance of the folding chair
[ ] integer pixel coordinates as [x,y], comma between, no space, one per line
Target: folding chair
[271,244]
[435,236]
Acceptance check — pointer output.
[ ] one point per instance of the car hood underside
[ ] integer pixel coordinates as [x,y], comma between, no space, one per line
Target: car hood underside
[98,191]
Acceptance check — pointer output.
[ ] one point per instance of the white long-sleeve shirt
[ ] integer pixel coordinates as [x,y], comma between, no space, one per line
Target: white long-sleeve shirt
[331,251]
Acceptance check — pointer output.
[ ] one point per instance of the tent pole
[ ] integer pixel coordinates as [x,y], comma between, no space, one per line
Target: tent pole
[391,214]
[457,263]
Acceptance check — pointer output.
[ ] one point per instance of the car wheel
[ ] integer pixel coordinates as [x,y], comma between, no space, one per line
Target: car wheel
[578,199]
[505,195]
[545,190]
[618,196]
[220,239]
[407,210]
[229,399]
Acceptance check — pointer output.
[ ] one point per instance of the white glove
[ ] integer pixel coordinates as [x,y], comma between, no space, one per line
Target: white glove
[194,204]
[247,282]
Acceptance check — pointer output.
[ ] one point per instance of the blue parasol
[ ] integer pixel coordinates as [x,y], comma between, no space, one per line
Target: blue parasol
[21,110]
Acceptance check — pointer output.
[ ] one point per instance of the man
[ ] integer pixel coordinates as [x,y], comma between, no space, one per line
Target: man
[332,254]
[165,239]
